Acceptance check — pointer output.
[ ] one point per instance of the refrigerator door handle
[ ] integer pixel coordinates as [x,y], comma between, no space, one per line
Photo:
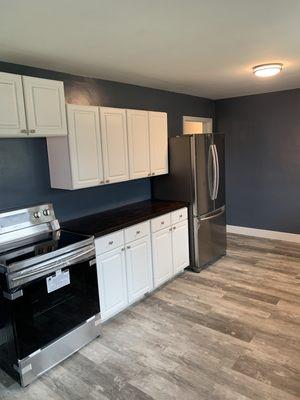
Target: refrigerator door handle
[214,215]
[217,172]
[211,181]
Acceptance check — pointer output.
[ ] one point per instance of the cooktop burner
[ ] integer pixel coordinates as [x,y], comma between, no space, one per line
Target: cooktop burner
[41,245]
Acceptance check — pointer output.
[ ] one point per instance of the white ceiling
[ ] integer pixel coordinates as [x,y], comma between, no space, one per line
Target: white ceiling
[200,47]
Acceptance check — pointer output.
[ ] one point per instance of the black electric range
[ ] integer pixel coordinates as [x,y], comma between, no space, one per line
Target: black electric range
[49,303]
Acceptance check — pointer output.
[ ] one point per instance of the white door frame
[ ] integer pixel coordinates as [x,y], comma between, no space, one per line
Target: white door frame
[207,123]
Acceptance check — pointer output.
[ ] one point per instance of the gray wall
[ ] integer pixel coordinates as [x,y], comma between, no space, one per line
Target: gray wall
[24,174]
[262,159]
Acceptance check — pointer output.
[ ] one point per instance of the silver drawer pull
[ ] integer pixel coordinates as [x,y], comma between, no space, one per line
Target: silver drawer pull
[138,232]
[111,242]
[162,222]
[180,216]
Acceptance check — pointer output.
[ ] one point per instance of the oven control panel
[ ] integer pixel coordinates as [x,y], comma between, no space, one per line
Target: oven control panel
[42,214]
[27,217]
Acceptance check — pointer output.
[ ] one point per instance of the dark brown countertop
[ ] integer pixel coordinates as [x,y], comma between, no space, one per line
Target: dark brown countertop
[119,218]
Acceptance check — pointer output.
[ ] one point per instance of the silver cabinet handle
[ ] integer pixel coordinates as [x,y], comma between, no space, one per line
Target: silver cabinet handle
[170,229]
[128,247]
[149,174]
[111,242]
[123,249]
[101,182]
[32,131]
[138,232]
[107,181]
[180,216]
[24,131]
[162,222]
[153,173]
[174,227]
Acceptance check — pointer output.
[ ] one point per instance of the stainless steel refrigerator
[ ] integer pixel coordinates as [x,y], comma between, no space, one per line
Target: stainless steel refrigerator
[197,176]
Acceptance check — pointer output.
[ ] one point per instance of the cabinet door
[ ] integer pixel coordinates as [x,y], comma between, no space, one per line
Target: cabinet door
[45,107]
[111,269]
[158,130]
[139,268]
[12,112]
[162,256]
[114,144]
[180,245]
[85,146]
[138,143]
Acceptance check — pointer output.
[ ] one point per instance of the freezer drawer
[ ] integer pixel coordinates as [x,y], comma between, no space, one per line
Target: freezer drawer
[209,238]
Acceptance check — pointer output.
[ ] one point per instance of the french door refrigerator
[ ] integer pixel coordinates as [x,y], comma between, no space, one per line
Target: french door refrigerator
[197,176]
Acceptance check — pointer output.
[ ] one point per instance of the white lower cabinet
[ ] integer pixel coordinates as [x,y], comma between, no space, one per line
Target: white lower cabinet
[131,262]
[170,245]
[180,246]
[111,267]
[139,268]
[162,256]
[124,268]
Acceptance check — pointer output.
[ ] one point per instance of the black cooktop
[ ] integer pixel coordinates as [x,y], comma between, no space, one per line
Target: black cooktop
[40,245]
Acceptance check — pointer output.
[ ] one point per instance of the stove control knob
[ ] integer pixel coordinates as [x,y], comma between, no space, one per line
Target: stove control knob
[37,214]
[46,212]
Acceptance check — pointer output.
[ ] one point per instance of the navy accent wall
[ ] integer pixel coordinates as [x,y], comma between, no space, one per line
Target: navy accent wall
[262,159]
[24,174]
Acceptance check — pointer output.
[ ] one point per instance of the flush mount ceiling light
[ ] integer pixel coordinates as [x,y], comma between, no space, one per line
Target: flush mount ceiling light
[266,70]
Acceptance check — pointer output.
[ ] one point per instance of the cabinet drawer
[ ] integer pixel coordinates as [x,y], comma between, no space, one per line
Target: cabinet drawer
[160,222]
[109,242]
[179,215]
[137,231]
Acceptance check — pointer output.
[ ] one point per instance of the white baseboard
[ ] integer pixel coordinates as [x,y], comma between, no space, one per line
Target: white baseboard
[241,230]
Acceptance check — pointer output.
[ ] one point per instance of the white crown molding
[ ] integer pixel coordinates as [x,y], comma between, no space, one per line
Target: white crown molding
[241,230]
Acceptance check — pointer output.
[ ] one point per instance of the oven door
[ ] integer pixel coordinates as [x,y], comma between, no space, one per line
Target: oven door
[55,303]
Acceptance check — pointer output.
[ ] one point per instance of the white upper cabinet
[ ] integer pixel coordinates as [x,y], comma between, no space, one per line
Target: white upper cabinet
[75,161]
[138,143]
[85,145]
[31,107]
[45,106]
[158,130]
[12,111]
[114,144]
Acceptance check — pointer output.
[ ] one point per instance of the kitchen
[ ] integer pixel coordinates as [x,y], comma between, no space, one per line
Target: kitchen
[88,157]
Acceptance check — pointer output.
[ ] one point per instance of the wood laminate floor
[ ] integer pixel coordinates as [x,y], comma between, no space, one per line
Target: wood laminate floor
[229,333]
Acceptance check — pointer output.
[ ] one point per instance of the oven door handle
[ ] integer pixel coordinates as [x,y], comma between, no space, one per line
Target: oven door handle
[52,266]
